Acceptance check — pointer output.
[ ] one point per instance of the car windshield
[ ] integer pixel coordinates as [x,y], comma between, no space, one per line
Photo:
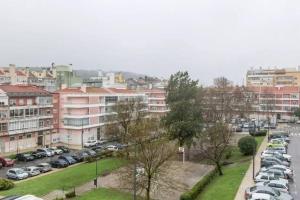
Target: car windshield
[19,171]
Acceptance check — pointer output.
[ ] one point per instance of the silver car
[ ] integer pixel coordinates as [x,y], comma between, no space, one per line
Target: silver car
[266,177]
[17,174]
[267,190]
[276,185]
[32,171]
[286,170]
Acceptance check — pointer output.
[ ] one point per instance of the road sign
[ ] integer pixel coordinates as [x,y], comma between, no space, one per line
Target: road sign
[181,149]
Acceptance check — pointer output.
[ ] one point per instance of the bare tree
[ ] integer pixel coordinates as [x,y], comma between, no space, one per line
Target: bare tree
[128,112]
[213,143]
[151,158]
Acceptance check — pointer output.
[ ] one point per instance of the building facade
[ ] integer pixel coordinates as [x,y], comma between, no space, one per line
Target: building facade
[81,114]
[26,118]
[157,106]
[275,102]
[273,77]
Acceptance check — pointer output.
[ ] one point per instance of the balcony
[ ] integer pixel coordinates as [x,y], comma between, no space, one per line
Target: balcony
[82,105]
[30,118]
[76,116]
[12,132]
[13,107]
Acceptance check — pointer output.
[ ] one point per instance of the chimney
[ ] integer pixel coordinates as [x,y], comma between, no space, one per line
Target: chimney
[83,88]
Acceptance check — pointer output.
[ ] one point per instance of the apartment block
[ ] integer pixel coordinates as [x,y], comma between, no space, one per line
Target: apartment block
[157,106]
[25,118]
[82,113]
[273,77]
[275,102]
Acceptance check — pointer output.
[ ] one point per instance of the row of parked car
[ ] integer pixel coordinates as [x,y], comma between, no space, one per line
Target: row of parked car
[64,160]
[272,181]
[24,197]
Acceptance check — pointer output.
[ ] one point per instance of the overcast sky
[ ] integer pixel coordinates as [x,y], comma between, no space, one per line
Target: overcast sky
[209,38]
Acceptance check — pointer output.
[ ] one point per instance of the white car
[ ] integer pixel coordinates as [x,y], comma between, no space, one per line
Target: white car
[32,171]
[28,197]
[271,152]
[261,196]
[48,152]
[16,173]
[276,185]
[112,148]
[286,170]
[56,150]
[90,143]
[265,177]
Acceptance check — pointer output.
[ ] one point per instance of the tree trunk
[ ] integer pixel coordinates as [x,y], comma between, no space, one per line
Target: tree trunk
[219,167]
[148,188]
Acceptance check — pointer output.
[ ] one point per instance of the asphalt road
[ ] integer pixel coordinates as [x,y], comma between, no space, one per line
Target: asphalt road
[294,151]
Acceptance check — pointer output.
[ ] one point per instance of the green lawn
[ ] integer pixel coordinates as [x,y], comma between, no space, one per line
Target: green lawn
[105,194]
[67,178]
[225,187]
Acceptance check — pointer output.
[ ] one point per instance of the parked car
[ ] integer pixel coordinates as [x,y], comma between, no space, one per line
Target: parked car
[278,156]
[89,152]
[1,166]
[265,177]
[276,185]
[80,156]
[286,170]
[32,171]
[17,174]
[278,149]
[276,160]
[90,143]
[12,197]
[59,163]
[64,149]
[271,152]
[267,190]
[56,150]
[44,167]
[275,136]
[24,157]
[7,162]
[260,196]
[69,159]
[28,197]
[48,152]
[38,154]
[112,147]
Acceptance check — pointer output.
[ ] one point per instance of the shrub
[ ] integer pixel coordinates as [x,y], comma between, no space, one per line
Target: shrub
[198,187]
[247,144]
[90,159]
[6,184]
[262,132]
[228,153]
[71,194]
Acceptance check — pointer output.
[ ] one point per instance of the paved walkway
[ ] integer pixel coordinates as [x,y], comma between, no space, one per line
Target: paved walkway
[248,180]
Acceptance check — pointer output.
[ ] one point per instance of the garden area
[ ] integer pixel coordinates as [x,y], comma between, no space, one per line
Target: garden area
[64,179]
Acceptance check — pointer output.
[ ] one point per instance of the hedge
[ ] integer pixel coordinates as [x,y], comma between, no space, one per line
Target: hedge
[6,184]
[199,187]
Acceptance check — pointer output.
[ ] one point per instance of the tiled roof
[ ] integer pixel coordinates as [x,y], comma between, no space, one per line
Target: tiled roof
[20,73]
[22,89]
[97,90]
[154,91]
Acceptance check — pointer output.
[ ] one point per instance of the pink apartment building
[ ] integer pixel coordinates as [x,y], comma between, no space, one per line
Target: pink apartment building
[157,106]
[81,113]
[25,118]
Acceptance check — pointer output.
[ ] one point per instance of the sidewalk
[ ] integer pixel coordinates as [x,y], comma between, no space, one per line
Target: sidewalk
[247,180]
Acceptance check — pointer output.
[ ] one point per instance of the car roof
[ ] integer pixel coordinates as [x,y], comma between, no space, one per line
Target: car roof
[28,197]
[264,188]
[260,195]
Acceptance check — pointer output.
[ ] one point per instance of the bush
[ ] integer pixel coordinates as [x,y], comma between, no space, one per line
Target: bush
[262,132]
[71,194]
[247,144]
[6,184]
[198,188]
[228,153]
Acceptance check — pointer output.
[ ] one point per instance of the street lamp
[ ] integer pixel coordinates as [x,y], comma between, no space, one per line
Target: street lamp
[82,133]
[253,158]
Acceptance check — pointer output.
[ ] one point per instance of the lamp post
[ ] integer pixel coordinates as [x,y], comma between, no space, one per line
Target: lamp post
[134,173]
[253,159]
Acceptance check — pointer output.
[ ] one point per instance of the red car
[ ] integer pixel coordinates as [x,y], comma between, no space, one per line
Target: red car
[7,162]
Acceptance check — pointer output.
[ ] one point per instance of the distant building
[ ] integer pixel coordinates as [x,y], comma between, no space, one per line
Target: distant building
[106,80]
[273,77]
[65,76]
[82,113]
[276,102]
[25,118]
[157,106]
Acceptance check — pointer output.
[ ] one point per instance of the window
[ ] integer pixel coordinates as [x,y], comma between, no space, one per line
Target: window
[20,137]
[29,101]
[28,135]
[21,102]
[11,138]
[3,127]
[12,102]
